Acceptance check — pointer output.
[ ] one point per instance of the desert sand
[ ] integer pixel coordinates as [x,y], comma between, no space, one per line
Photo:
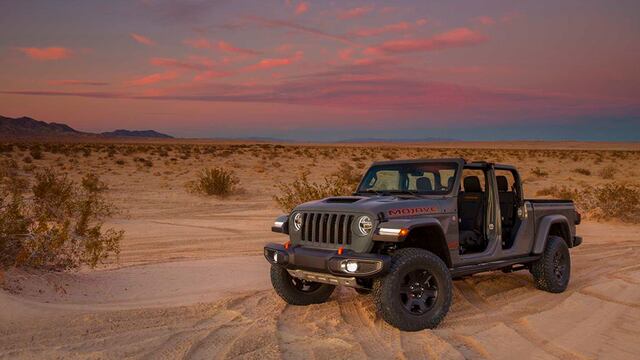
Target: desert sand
[191,281]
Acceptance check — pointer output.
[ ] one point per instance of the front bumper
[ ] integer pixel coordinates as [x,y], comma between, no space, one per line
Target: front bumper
[299,259]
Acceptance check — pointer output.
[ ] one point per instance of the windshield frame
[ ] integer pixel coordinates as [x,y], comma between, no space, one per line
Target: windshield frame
[453,164]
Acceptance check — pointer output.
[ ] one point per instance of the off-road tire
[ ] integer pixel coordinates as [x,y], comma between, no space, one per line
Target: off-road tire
[283,284]
[546,274]
[388,297]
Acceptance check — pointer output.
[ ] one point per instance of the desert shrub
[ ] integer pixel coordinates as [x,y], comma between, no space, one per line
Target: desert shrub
[59,225]
[557,192]
[302,190]
[36,152]
[120,162]
[582,171]
[613,201]
[214,181]
[347,174]
[6,148]
[607,172]
[539,172]
[27,160]
[143,161]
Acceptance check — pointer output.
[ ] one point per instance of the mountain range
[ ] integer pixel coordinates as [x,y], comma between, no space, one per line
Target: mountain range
[25,127]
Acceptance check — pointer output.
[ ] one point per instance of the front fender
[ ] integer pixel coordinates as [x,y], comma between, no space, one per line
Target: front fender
[390,231]
[281,224]
[542,232]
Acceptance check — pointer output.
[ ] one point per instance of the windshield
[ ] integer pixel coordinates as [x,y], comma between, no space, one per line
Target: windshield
[410,178]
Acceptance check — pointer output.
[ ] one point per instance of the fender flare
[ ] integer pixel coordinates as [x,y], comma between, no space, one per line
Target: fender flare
[414,225]
[544,227]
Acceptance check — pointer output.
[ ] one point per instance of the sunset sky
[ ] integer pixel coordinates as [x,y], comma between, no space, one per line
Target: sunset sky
[327,70]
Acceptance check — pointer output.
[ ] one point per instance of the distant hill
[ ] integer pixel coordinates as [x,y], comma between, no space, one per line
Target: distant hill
[26,127]
[136,134]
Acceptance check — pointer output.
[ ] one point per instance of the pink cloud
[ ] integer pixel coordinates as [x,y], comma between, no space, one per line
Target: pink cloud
[346,54]
[485,20]
[154,78]
[48,53]
[141,39]
[454,38]
[354,12]
[77,82]
[211,74]
[397,27]
[296,27]
[199,43]
[302,8]
[227,47]
[194,63]
[275,62]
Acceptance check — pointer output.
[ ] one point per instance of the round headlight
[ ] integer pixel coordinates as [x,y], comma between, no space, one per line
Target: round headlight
[365,225]
[297,221]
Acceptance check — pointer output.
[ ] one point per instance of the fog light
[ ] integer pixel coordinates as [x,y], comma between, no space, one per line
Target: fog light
[350,266]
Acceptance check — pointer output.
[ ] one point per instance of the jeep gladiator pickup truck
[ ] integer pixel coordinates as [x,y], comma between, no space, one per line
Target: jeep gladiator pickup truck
[413,226]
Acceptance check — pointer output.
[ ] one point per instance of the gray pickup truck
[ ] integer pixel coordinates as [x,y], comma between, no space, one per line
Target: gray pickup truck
[413,226]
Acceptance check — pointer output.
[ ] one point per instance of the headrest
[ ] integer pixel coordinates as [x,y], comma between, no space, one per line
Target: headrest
[472,184]
[423,184]
[503,183]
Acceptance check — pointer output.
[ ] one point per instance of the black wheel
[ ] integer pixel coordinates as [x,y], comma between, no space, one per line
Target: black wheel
[296,291]
[416,293]
[552,271]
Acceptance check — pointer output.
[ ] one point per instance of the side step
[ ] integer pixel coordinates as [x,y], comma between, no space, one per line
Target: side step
[490,266]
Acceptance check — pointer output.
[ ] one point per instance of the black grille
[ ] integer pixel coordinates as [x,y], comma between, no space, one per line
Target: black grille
[327,228]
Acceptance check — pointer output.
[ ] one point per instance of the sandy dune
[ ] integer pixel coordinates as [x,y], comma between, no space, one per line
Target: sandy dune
[191,282]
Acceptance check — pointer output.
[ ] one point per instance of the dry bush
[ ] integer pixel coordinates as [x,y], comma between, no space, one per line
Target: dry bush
[58,224]
[348,174]
[303,190]
[214,181]
[557,192]
[539,172]
[582,171]
[608,172]
[36,152]
[143,161]
[614,201]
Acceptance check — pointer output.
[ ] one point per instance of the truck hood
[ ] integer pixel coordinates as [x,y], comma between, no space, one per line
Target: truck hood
[392,206]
